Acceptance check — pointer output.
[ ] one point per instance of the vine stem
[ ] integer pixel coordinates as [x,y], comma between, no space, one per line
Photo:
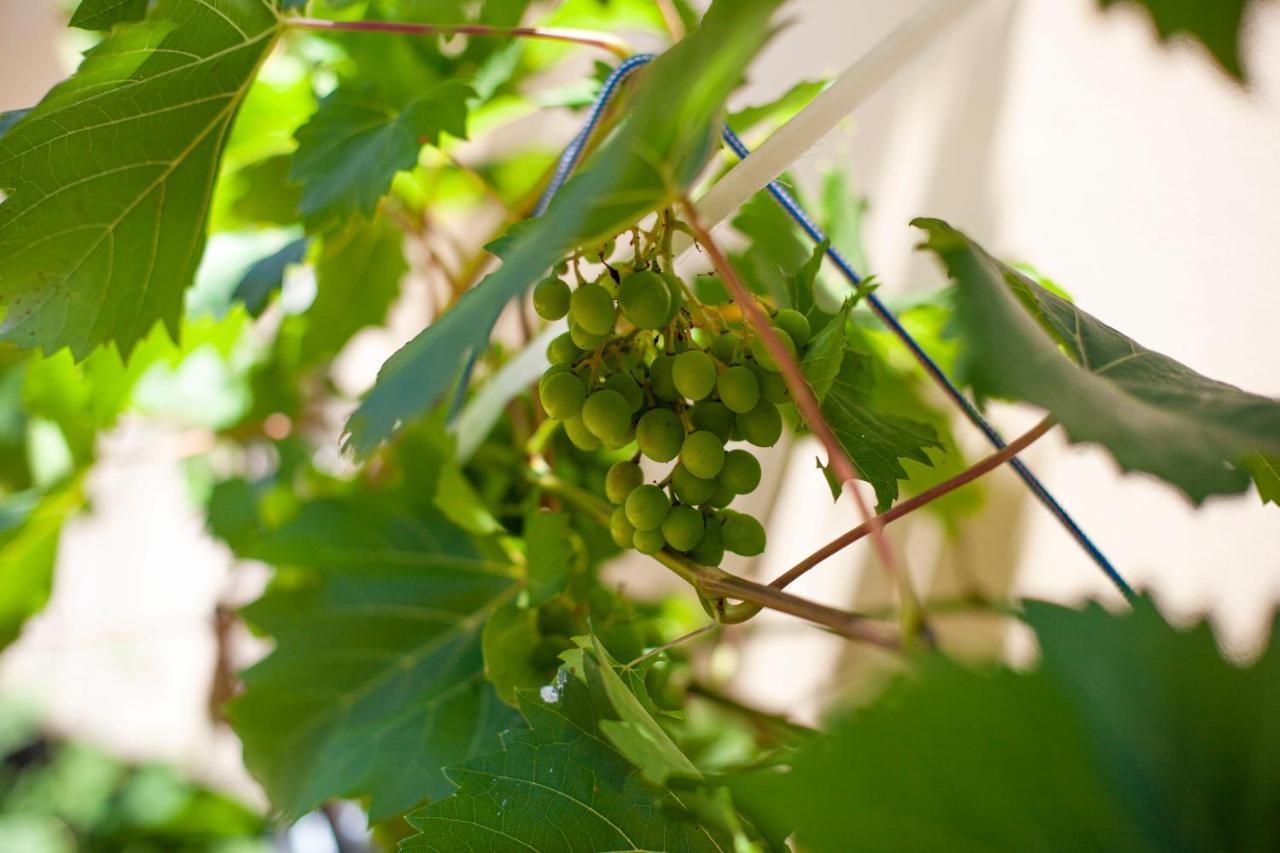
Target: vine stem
[604,41]
[811,411]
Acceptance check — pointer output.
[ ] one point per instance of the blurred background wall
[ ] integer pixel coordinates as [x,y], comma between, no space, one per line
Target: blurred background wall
[1137,176]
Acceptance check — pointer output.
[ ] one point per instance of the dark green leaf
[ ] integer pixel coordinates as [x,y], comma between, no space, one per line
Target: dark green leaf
[1152,413]
[550,557]
[109,177]
[662,145]
[1265,471]
[105,14]
[357,142]
[1217,24]
[778,111]
[877,443]
[376,680]
[800,285]
[266,276]
[510,641]
[357,278]
[558,787]
[825,354]
[1130,736]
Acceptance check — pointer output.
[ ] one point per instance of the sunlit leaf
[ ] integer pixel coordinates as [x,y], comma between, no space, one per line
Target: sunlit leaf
[105,14]
[1216,24]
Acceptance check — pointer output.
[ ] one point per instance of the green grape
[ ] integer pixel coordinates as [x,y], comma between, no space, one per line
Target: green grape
[579,435]
[772,386]
[713,417]
[561,268]
[630,390]
[690,489]
[683,528]
[764,357]
[562,350]
[562,395]
[644,299]
[648,541]
[660,378]
[591,307]
[741,472]
[743,535]
[676,291]
[739,389]
[620,529]
[722,496]
[583,339]
[703,454]
[694,374]
[606,249]
[725,347]
[622,479]
[762,426]
[608,416]
[551,298]
[659,435]
[794,324]
[647,506]
[710,551]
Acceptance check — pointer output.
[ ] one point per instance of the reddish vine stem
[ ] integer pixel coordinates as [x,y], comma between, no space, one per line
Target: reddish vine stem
[604,41]
[995,460]
[810,410]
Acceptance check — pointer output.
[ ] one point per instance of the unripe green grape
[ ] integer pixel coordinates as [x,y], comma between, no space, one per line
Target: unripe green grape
[608,416]
[648,541]
[743,535]
[703,454]
[561,268]
[762,426]
[583,339]
[646,507]
[620,529]
[690,489]
[772,386]
[591,307]
[676,292]
[551,298]
[644,299]
[562,350]
[553,370]
[741,472]
[694,374]
[712,416]
[683,528]
[659,435]
[764,357]
[794,324]
[725,347]
[660,378]
[739,389]
[562,395]
[630,390]
[710,551]
[721,497]
[579,435]
[623,478]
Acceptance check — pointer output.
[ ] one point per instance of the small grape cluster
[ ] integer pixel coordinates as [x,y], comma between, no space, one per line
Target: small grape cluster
[634,367]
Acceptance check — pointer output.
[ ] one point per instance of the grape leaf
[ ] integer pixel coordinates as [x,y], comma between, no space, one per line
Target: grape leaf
[30,529]
[1128,736]
[778,111]
[9,119]
[376,680]
[550,557]
[105,14]
[661,146]
[825,354]
[266,276]
[1265,471]
[357,278]
[109,177]
[1217,24]
[509,642]
[1152,413]
[875,442]
[357,141]
[558,786]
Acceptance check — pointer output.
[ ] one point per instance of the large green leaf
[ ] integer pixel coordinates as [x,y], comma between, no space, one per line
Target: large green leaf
[109,177]
[357,141]
[1153,413]
[662,145]
[105,14]
[1265,471]
[376,680]
[1217,24]
[30,529]
[558,787]
[1129,736]
[876,442]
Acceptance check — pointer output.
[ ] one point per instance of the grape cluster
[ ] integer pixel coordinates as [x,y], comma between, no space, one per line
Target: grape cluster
[635,367]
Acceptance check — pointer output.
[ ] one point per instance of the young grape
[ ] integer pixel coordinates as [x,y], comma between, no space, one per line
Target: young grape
[683,528]
[627,386]
[644,299]
[562,395]
[743,535]
[712,416]
[795,324]
[659,435]
[694,374]
[581,437]
[608,416]
[741,472]
[620,529]
[647,507]
[623,478]
[762,426]
[584,340]
[660,378]
[764,357]
[675,290]
[702,454]
[722,496]
[710,551]
[551,298]
[690,489]
[591,307]
[562,350]
[739,389]
[648,541]
[772,386]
